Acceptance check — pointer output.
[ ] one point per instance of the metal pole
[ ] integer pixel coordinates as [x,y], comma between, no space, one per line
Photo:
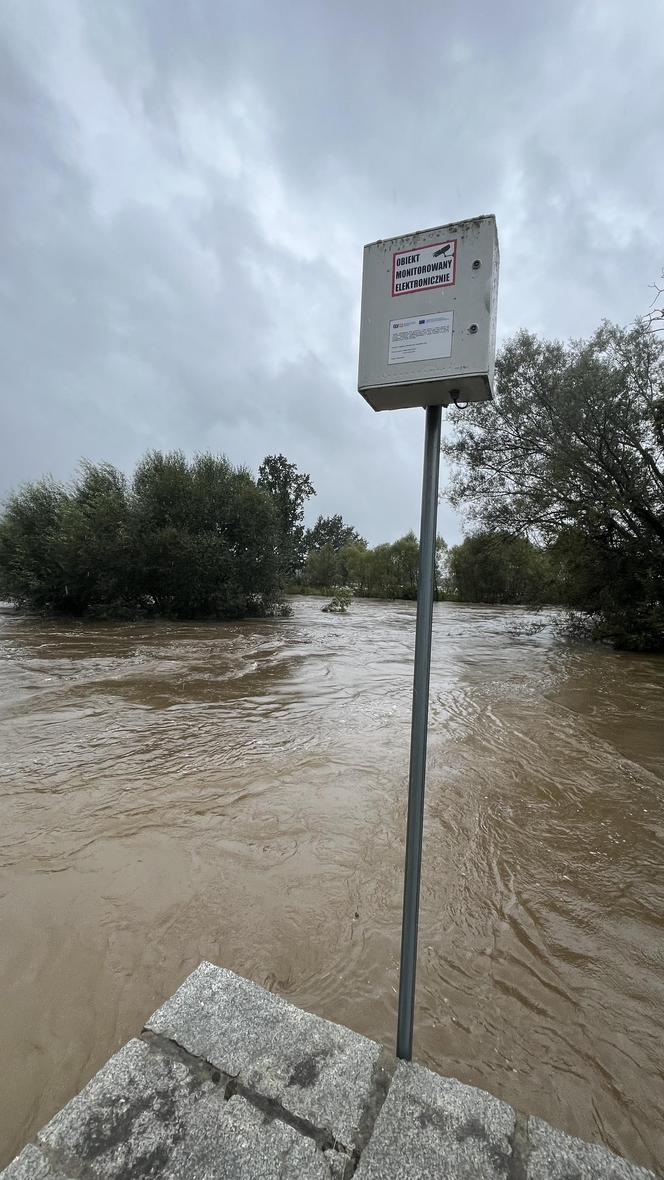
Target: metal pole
[418,733]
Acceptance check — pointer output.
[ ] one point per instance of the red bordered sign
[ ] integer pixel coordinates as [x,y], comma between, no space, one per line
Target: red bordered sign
[424,268]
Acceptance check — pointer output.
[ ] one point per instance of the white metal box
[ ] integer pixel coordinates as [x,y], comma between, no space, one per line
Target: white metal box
[428,326]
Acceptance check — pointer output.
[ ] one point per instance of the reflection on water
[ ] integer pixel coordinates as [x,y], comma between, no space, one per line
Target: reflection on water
[173,792]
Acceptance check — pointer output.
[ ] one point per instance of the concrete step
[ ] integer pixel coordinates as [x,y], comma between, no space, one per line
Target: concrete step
[229,1080]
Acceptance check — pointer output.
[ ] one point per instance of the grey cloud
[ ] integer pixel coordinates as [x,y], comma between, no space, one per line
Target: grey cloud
[186,189]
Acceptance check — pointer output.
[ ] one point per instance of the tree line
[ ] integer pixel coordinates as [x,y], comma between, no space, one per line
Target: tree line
[186,538]
[561,479]
[487,567]
[386,571]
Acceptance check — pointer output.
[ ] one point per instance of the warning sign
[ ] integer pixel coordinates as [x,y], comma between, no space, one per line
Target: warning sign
[425,268]
[422,338]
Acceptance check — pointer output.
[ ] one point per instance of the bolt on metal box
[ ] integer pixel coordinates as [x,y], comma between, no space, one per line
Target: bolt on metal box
[428,326]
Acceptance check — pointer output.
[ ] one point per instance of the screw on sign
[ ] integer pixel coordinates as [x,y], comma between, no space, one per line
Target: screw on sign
[428,339]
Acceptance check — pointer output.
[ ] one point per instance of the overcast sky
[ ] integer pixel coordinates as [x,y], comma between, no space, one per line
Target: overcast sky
[186,187]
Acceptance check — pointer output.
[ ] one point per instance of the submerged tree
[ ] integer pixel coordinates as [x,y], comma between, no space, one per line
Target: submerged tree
[188,538]
[205,532]
[32,535]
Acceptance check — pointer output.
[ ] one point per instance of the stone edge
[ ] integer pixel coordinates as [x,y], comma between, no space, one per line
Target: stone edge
[528,1138]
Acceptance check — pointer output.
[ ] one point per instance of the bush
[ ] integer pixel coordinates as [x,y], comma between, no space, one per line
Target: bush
[340,603]
[187,539]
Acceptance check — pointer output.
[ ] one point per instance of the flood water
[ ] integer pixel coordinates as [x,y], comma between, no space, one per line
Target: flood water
[236,792]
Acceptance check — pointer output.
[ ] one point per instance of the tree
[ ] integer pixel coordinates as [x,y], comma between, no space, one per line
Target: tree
[289,489]
[96,542]
[654,317]
[574,444]
[390,570]
[205,534]
[441,568]
[32,571]
[65,549]
[497,567]
[352,564]
[321,568]
[186,538]
[405,559]
[331,530]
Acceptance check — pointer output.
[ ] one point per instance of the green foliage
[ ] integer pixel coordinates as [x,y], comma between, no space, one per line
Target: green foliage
[289,489]
[497,567]
[352,561]
[388,571]
[322,567]
[340,602]
[391,570]
[331,532]
[571,453]
[186,538]
[610,580]
[335,552]
[65,549]
[344,597]
[636,628]
[30,544]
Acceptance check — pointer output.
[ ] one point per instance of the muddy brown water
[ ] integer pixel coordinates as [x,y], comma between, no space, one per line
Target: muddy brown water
[236,792]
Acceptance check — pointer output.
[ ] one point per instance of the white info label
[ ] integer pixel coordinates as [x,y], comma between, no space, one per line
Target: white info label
[421,338]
